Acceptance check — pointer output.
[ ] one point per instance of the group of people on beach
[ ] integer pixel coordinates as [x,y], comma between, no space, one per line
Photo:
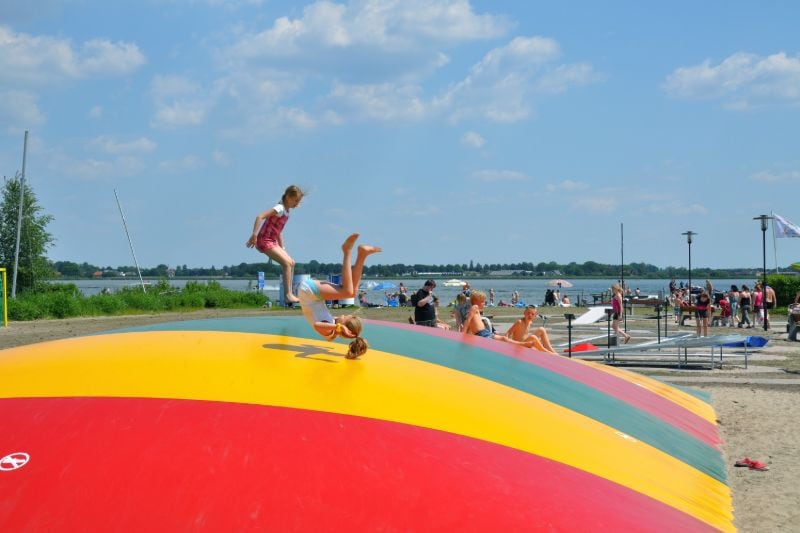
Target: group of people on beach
[735,305]
[267,238]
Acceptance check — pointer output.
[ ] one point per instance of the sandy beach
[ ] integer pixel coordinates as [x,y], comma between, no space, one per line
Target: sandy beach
[755,407]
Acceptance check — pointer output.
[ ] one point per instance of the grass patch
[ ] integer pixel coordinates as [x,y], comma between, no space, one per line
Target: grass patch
[66,300]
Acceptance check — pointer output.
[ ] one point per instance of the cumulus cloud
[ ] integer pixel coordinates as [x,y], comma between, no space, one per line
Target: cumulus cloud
[385,101]
[674,207]
[178,101]
[94,169]
[787,176]
[567,185]
[181,164]
[113,146]
[596,204]
[40,60]
[472,139]
[19,107]
[500,175]
[503,85]
[370,26]
[742,80]
[369,60]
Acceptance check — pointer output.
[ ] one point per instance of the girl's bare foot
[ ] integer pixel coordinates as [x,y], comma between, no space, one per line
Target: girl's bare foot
[291,298]
[365,250]
[349,242]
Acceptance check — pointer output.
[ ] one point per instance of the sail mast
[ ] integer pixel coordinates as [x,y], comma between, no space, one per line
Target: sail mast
[130,242]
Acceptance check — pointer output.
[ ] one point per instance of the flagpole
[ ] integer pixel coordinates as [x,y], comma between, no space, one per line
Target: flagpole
[774,243]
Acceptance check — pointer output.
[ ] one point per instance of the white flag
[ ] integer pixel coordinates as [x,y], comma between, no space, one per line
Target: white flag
[785,228]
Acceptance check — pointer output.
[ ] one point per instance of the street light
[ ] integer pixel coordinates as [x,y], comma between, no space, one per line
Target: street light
[764,225]
[689,234]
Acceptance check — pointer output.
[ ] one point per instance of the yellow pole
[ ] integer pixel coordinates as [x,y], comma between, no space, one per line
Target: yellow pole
[5,301]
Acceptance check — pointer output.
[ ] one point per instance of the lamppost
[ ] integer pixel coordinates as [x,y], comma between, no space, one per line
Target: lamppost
[764,225]
[689,234]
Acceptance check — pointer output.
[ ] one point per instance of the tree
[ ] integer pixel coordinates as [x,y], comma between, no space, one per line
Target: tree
[33,265]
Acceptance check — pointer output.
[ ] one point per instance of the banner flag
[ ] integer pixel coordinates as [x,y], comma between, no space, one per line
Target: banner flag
[784,227]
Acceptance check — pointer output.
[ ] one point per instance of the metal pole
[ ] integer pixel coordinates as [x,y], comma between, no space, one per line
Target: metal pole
[19,216]
[689,234]
[658,322]
[764,224]
[130,242]
[569,317]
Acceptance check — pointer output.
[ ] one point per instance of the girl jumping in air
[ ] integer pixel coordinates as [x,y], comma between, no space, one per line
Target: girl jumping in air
[267,237]
[312,295]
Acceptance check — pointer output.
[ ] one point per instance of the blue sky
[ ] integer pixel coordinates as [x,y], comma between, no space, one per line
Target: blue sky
[446,132]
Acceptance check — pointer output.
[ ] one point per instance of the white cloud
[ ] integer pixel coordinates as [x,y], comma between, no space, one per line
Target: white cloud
[179,101]
[182,164]
[503,85]
[42,60]
[374,27]
[370,60]
[596,204]
[19,108]
[112,146]
[96,112]
[500,175]
[742,80]
[473,139]
[567,185]
[385,101]
[788,176]
[92,169]
[220,158]
[674,207]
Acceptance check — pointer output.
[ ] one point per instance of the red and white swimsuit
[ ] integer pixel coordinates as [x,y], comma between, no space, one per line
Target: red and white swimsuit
[271,229]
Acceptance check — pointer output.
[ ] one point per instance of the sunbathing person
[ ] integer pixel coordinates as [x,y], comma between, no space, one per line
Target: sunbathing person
[474,324]
[520,332]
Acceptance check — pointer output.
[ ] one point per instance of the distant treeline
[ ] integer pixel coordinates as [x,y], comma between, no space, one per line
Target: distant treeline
[69,269]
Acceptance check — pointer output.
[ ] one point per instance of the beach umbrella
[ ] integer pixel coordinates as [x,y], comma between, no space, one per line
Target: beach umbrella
[559,283]
[384,285]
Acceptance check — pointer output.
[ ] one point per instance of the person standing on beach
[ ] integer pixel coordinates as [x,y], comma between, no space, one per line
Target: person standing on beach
[733,299]
[770,301]
[701,313]
[744,305]
[312,295]
[616,307]
[424,313]
[267,236]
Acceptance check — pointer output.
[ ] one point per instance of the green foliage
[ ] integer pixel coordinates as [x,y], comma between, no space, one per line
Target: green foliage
[786,287]
[33,265]
[56,300]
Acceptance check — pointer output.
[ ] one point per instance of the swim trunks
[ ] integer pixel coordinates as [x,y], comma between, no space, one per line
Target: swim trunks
[485,333]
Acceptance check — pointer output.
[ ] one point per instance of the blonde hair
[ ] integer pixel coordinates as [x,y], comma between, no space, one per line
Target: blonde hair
[461,298]
[476,296]
[292,191]
[359,345]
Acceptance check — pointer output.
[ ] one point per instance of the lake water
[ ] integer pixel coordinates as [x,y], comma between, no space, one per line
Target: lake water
[530,290]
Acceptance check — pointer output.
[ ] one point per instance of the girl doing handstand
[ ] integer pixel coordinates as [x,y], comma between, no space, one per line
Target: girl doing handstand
[312,295]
